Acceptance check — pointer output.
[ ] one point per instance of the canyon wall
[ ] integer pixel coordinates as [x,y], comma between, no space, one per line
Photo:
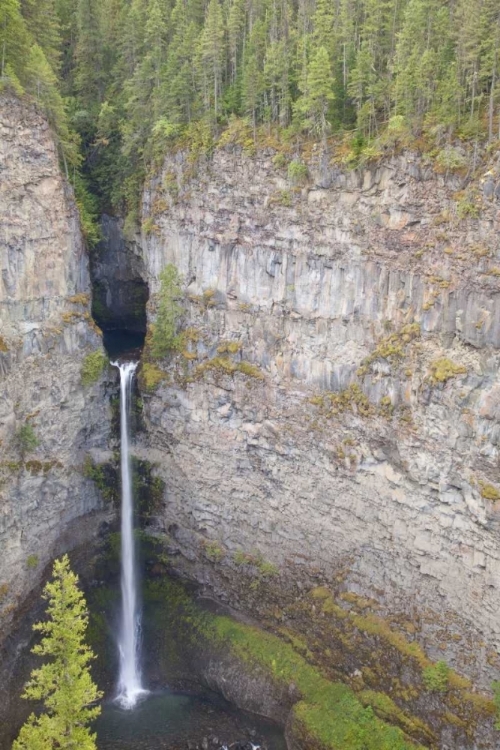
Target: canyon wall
[50,418]
[335,404]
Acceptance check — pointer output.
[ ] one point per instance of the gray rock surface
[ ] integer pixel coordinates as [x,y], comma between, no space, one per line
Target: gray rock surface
[396,491]
[46,504]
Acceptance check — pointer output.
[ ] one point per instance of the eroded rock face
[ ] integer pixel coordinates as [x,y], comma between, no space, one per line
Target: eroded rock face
[48,420]
[372,286]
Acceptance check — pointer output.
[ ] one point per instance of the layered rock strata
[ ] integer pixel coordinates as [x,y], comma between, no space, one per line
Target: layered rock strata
[49,418]
[336,401]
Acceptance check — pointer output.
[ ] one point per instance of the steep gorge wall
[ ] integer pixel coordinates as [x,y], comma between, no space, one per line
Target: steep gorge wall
[47,506]
[380,285]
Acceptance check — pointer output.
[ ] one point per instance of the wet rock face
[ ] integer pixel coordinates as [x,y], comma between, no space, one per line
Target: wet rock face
[49,420]
[120,293]
[370,286]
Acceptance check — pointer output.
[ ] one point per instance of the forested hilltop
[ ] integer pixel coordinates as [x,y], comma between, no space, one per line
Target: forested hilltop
[123,80]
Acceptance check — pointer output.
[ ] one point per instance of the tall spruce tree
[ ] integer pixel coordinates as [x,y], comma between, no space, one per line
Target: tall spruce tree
[64,683]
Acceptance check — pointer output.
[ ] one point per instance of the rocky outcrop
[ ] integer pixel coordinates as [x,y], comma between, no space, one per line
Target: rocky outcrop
[353,426]
[49,417]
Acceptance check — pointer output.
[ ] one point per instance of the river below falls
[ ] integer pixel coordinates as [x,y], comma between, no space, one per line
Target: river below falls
[176,721]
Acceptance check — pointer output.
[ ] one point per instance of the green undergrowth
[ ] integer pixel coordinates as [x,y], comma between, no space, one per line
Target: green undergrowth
[328,713]
[150,376]
[391,347]
[444,369]
[226,366]
[388,710]
[437,677]
[105,477]
[93,366]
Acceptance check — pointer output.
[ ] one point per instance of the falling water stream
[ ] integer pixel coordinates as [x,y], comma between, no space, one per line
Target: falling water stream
[129,680]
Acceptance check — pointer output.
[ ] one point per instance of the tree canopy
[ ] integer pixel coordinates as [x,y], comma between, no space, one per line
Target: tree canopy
[130,76]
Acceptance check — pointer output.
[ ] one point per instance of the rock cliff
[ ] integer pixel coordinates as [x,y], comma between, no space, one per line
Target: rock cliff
[336,402]
[52,406]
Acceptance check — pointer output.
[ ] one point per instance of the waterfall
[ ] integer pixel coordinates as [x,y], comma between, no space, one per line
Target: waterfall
[129,681]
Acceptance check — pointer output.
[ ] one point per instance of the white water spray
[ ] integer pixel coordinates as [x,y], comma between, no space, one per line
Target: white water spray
[129,681]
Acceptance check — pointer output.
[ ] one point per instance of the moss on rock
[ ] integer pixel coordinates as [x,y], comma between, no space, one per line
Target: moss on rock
[93,366]
[327,713]
[443,369]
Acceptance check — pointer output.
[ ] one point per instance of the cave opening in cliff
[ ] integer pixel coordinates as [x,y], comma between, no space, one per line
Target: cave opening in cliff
[119,292]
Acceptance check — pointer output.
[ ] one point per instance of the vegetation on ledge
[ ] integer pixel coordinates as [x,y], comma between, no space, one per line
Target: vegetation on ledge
[443,369]
[164,337]
[150,376]
[93,366]
[329,713]
[26,439]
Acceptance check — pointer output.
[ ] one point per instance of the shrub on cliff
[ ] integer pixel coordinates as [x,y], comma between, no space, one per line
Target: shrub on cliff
[92,367]
[436,677]
[64,683]
[26,439]
[164,337]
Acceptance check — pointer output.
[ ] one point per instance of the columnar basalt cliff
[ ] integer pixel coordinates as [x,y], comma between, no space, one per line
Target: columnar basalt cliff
[336,401]
[52,406]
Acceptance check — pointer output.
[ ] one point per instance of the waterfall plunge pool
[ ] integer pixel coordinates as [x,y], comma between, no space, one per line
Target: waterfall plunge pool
[177,721]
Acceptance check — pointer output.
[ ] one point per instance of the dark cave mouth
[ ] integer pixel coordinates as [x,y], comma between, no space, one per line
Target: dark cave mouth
[120,342]
[120,292]
[119,309]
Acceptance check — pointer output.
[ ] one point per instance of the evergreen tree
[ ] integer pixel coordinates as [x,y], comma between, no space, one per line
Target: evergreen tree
[253,83]
[89,67]
[317,94]
[41,82]
[212,56]
[64,684]
[43,23]
[14,39]
[164,337]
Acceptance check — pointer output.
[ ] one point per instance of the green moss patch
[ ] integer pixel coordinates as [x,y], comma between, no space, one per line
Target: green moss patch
[93,366]
[443,369]
[149,490]
[150,376]
[386,709]
[225,366]
[489,491]
[328,713]
[105,477]
[391,347]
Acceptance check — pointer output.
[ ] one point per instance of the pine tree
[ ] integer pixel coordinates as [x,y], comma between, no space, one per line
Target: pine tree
[253,83]
[212,56]
[64,684]
[312,107]
[14,39]
[89,66]
[43,22]
[164,337]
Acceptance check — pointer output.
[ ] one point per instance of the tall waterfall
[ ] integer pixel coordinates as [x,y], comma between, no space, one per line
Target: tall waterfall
[129,681]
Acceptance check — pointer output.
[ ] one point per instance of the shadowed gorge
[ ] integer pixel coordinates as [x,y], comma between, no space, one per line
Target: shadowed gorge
[119,292]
